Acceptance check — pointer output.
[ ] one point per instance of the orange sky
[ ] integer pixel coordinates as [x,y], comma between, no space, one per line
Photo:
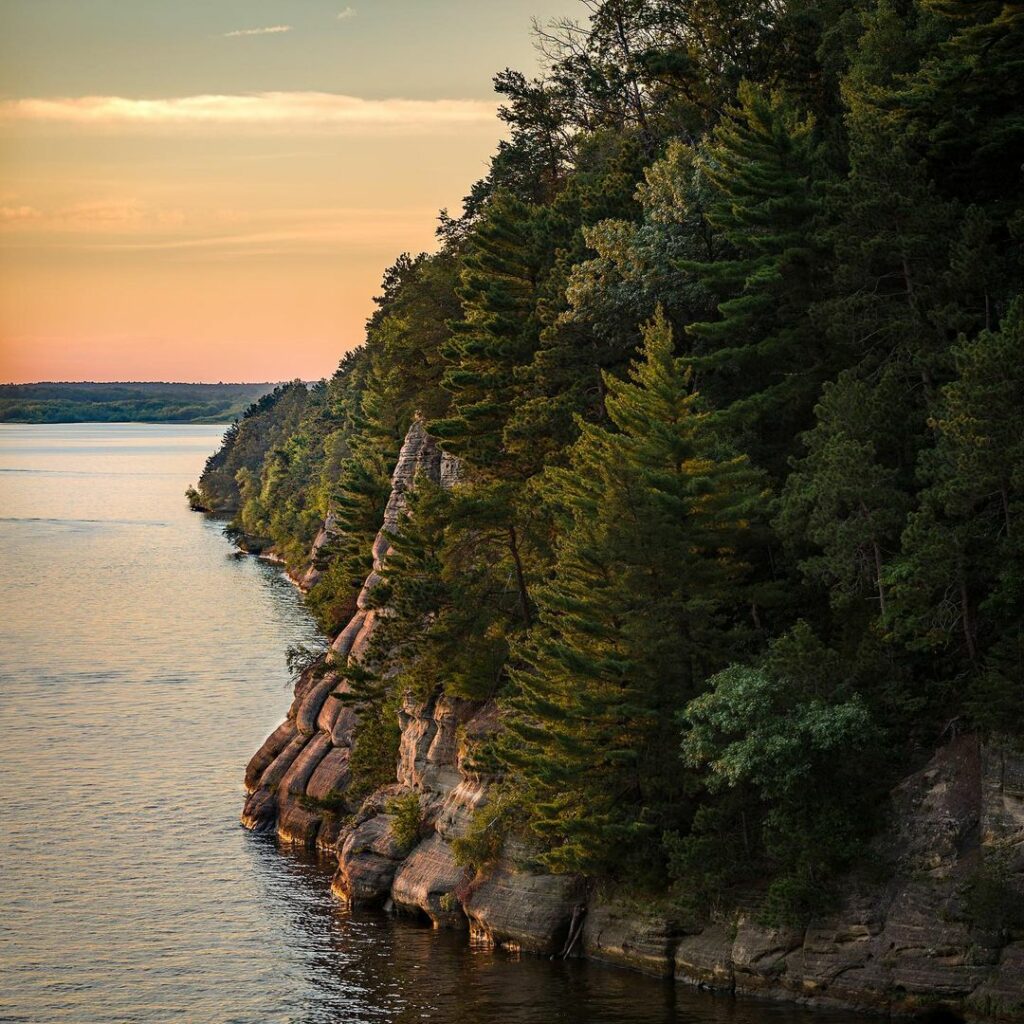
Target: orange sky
[211,192]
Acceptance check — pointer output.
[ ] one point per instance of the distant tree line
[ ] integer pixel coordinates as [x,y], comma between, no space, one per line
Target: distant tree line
[145,402]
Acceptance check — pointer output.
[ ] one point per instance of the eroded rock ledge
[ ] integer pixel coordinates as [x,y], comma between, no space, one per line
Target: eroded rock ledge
[912,942]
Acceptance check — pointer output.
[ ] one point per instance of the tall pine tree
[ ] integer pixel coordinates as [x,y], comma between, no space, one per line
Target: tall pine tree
[634,619]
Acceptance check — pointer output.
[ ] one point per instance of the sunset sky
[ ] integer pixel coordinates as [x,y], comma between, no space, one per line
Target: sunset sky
[210,189]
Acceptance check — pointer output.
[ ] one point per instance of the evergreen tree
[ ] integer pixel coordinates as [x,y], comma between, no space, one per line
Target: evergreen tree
[846,496]
[763,361]
[964,105]
[635,617]
[957,584]
[498,332]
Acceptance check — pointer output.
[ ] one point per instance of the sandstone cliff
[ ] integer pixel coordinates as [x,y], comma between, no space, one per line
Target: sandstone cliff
[939,921]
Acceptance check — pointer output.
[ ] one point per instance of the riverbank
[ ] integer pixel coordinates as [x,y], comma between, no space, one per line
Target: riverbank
[929,926]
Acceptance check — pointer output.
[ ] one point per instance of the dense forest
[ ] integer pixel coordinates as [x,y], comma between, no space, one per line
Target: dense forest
[144,402]
[729,344]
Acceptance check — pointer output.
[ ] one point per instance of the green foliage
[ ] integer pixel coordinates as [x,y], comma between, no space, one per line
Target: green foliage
[488,829]
[247,442]
[957,584]
[449,606]
[632,620]
[844,496]
[791,746]
[817,211]
[195,500]
[406,820]
[334,803]
[375,748]
[766,356]
[302,658]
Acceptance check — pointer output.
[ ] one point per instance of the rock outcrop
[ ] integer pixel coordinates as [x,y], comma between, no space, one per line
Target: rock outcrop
[298,779]
[321,544]
[944,929]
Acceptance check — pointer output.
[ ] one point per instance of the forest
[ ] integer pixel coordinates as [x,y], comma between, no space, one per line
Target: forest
[728,342]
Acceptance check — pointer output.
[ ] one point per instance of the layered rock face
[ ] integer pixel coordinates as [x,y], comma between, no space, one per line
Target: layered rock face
[297,781]
[943,929]
[328,532]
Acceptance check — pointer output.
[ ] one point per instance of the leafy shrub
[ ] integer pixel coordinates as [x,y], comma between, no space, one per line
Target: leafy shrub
[375,747]
[333,803]
[406,820]
[488,829]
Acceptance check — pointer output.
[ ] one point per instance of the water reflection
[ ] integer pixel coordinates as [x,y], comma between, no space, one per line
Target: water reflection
[368,966]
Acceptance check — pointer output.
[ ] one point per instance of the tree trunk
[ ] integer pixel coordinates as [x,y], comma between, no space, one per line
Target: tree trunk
[878,577]
[524,597]
[965,614]
[878,563]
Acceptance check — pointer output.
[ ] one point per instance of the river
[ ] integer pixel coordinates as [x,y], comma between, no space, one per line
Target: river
[142,661]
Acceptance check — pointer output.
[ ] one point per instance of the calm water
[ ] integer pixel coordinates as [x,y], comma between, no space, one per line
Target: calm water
[141,663]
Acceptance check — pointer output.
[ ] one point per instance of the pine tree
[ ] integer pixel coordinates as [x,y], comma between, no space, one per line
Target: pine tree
[448,606]
[957,584]
[358,495]
[635,617]
[964,105]
[763,361]
[497,333]
[847,498]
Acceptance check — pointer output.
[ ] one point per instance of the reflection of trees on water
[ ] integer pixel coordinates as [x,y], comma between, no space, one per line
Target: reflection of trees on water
[352,967]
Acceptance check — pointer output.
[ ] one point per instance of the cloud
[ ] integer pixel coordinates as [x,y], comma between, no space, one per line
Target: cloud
[103,216]
[132,227]
[348,12]
[270,30]
[280,111]
[18,214]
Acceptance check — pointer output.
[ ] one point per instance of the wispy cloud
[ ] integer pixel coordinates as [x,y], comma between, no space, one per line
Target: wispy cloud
[269,30]
[130,226]
[100,216]
[280,111]
[348,12]
[18,214]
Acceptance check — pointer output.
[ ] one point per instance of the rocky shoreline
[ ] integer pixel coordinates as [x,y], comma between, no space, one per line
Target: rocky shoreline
[936,925]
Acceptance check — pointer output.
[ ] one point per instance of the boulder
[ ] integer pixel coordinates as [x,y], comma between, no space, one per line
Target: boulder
[523,910]
[629,936]
[428,755]
[705,960]
[298,824]
[367,862]
[272,746]
[759,954]
[427,881]
[309,708]
[1001,995]
[278,768]
[331,775]
[260,811]
[298,775]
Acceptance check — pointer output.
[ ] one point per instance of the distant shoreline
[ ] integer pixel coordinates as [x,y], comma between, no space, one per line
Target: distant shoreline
[127,402]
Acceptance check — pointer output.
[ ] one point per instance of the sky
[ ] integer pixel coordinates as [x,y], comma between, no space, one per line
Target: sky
[210,190]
